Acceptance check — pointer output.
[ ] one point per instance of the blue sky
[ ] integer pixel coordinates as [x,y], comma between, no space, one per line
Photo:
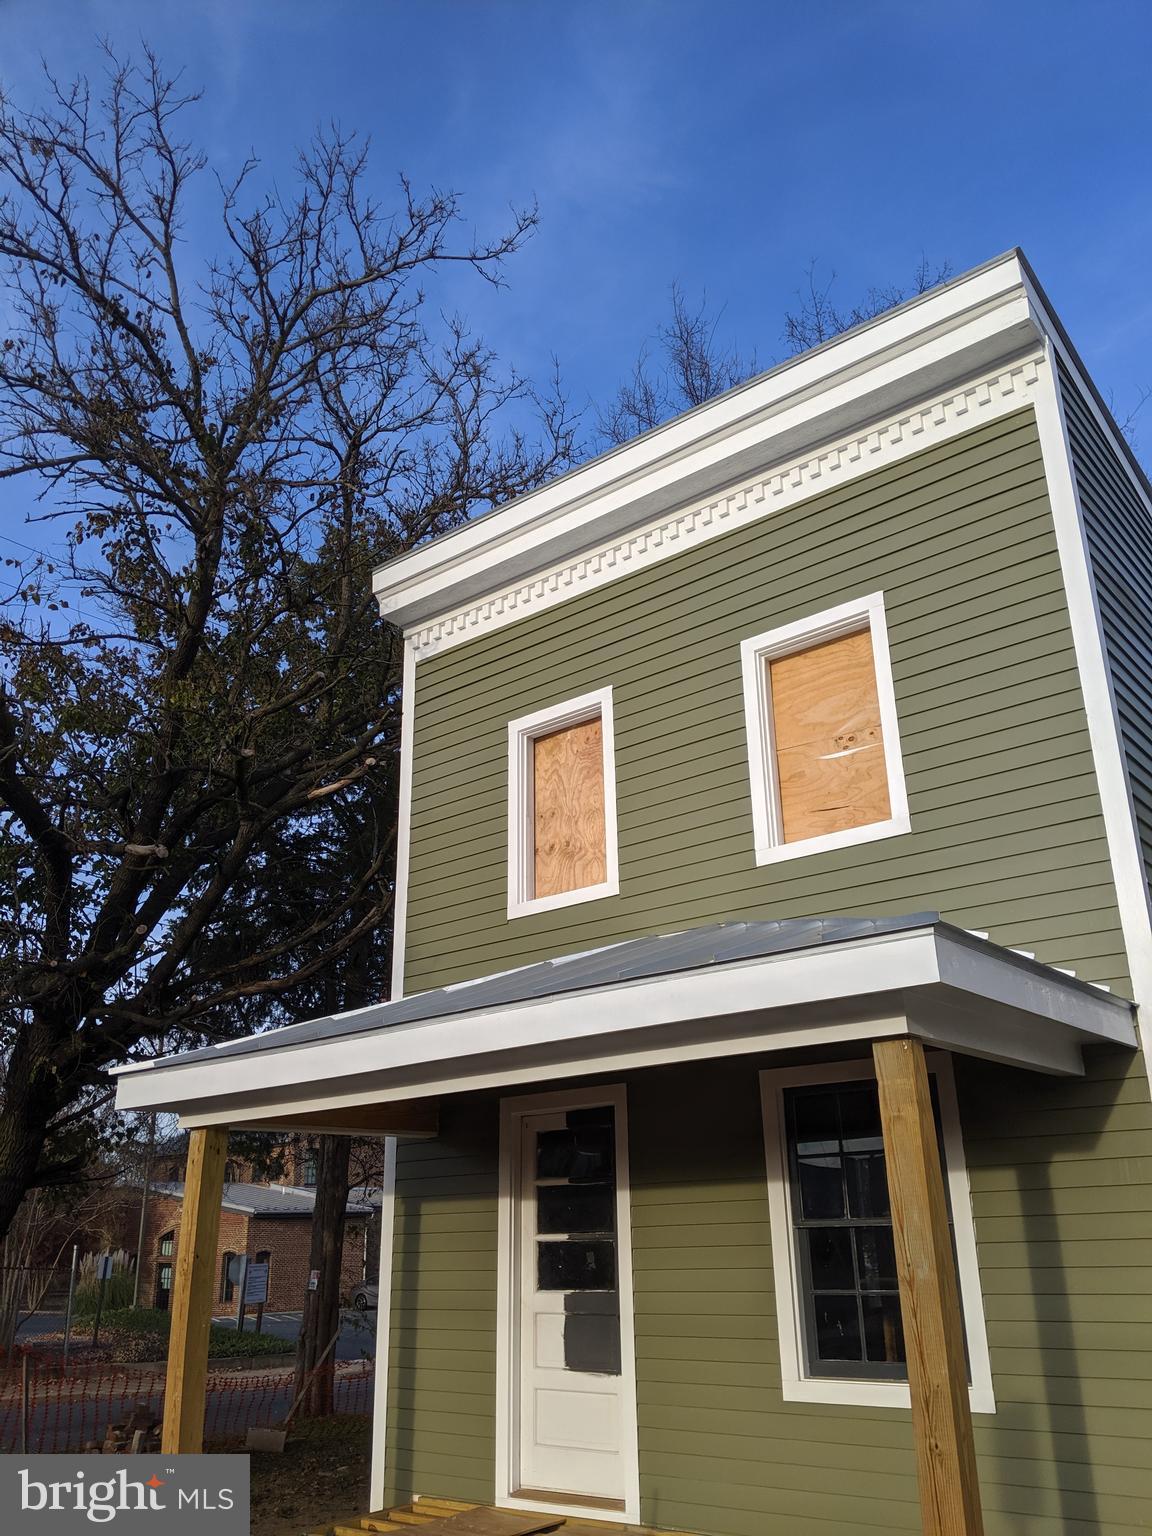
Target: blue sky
[722,144]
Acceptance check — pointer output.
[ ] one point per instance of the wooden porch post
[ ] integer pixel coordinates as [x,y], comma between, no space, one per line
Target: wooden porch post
[929,1294]
[192,1291]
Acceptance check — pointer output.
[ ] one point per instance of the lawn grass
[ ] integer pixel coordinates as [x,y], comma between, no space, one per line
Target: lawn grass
[132,1334]
[152,1325]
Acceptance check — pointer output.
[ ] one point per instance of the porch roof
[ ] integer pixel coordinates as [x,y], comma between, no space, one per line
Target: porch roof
[732,988]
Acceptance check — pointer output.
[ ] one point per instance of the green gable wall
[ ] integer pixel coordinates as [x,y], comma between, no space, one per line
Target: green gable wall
[1061,1176]
[1006,827]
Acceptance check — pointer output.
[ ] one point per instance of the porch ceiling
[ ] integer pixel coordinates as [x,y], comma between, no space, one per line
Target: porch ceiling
[734,988]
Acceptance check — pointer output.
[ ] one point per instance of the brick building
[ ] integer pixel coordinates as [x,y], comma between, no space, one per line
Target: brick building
[267,1222]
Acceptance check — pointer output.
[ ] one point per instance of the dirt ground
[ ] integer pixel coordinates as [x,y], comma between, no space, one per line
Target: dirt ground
[322,1475]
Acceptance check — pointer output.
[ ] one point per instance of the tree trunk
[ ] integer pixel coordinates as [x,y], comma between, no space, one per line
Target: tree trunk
[322,1306]
[30,1101]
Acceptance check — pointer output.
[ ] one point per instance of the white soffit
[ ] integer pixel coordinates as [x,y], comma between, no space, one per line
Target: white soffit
[943,363]
[957,992]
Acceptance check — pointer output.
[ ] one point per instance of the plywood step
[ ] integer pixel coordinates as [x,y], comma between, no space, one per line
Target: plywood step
[483,1520]
[430,1516]
[444,1517]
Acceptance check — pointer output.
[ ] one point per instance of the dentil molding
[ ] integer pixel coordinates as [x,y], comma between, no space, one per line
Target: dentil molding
[781,486]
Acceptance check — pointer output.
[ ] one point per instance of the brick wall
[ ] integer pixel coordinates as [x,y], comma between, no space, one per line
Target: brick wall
[287,1240]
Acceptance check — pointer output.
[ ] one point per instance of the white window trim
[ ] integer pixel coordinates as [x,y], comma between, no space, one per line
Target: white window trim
[521,847]
[864,613]
[854,1391]
[512,1113]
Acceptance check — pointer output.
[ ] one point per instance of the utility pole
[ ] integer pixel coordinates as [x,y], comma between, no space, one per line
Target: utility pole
[144,1207]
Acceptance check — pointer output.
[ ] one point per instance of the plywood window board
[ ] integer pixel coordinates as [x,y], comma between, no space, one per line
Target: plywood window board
[562,845]
[824,762]
[828,738]
[568,821]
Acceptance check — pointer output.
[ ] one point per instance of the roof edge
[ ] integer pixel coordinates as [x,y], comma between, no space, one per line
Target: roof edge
[878,366]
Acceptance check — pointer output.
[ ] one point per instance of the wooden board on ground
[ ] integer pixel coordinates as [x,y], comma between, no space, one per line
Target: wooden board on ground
[492,1522]
[430,1516]
[448,1517]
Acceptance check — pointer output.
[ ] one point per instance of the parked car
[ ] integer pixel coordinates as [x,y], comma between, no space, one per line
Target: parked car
[365,1297]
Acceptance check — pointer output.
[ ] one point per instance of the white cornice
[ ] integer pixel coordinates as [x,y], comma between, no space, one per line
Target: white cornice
[881,443]
[924,351]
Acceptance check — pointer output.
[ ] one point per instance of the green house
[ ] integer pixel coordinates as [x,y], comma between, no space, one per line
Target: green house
[773,1144]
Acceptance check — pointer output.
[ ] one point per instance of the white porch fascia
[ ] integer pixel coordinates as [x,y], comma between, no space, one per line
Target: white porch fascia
[935,983]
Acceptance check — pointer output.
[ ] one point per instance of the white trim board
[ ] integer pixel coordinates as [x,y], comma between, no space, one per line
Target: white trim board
[403,821]
[522,734]
[1132,894]
[864,613]
[693,520]
[920,351]
[379,1470]
[1019,1012]
[512,1111]
[797,1385]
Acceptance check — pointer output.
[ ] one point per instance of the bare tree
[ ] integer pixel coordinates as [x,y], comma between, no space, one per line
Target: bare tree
[1127,422]
[198,705]
[818,319]
[691,366]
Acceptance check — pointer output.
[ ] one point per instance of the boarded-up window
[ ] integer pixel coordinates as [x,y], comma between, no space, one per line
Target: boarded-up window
[569,847]
[831,771]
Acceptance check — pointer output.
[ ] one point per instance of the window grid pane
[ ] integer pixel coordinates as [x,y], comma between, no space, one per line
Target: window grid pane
[843,1232]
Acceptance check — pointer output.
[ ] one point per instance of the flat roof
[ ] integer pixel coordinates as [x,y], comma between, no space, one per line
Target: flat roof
[266,1199]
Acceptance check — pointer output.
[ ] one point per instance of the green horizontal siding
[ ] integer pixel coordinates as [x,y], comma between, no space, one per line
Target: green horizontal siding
[1118,527]
[1063,1247]
[1007,833]
[442,1343]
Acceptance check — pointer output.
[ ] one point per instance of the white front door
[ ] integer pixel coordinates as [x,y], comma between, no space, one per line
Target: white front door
[571,1401]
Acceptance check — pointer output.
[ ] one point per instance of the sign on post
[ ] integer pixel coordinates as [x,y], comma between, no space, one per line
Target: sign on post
[256,1289]
[256,1284]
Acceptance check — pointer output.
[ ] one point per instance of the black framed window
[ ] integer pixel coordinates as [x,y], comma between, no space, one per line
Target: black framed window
[842,1232]
[167,1245]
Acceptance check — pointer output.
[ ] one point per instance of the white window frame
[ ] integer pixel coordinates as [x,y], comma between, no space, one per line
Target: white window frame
[798,1387]
[522,734]
[863,613]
